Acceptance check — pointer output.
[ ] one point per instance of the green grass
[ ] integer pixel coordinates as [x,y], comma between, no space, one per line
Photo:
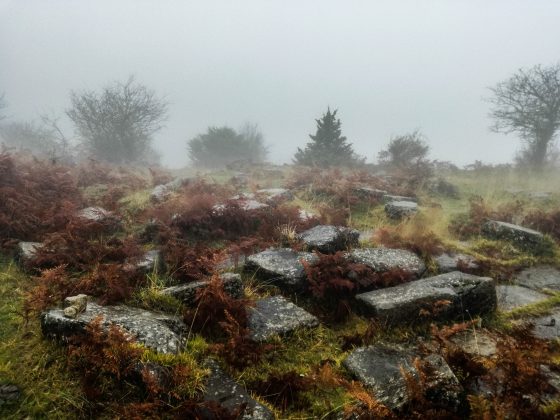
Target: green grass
[35,365]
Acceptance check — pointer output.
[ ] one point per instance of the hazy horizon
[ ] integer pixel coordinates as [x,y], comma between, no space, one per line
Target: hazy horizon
[389,67]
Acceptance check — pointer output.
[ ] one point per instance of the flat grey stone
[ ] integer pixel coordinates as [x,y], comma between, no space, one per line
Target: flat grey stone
[160,332]
[400,209]
[411,302]
[27,250]
[281,266]
[221,388]
[448,262]
[525,238]
[512,297]
[547,327]
[539,278]
[186,293]
[244,204]
[379,368]
[160,193]
[277,315]
[329,239]
[386,259]
[388,198]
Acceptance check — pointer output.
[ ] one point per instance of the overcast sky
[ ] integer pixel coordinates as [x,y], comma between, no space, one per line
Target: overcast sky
[390,67]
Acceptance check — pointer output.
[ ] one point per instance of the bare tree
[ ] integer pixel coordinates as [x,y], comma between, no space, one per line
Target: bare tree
[117,124]
[529,103]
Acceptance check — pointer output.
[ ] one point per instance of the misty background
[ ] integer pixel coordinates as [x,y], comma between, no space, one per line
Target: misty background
[390,67]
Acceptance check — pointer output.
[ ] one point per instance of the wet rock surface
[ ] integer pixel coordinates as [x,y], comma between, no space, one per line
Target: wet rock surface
[400,209]
[281,266]
[160,332]
[512,297]
[329,239]
[379,368]
[523,237]
[186,293]
[447,296]
[277,315]
[448,262]
[151,261]
[385,259]
[222,389]
[539,278]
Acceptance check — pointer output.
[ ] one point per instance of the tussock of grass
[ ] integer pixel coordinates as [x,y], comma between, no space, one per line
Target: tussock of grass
[536,309]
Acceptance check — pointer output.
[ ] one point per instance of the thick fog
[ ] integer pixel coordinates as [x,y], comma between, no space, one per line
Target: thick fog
[389,67]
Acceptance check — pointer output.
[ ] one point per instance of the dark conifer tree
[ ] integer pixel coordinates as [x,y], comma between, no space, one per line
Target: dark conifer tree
[328,147]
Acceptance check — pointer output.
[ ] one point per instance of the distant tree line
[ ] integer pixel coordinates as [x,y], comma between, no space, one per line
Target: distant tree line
[118,123]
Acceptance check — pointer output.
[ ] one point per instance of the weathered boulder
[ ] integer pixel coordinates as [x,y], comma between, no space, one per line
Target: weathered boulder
[386,259]
[447,296]
[221,388]
[329,239]
[525,238]
[26,251]
[74,305]
[277,315]
[512,297]
[186,293]
[160,332]
[400,209]
[539,278]
[244,204]
[281,266]
[388,198]
[380,367]
[305,215]
[448,262]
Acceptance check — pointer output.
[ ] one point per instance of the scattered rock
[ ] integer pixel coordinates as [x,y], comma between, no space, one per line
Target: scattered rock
[449,262]
[96,214]
[160,332]
[160,193]
[540,195]
[27,250]
[74,305]
[388,198]
[511,297]
[8,393]
[275,195]
[329,239]
[305,215]
[386,259]
[151,261]
[446,296]
[277,315]
[400,209]
[280,266]
[380,367]
[186,293]
[475,343]
[547,327]
[539,278]
[523,237]
[223,389]
[368,192]
[245,204]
